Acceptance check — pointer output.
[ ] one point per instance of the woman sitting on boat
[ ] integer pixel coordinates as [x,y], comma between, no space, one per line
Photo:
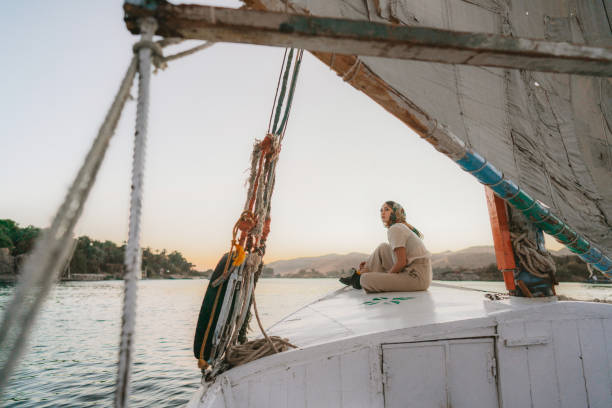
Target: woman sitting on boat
[402,265]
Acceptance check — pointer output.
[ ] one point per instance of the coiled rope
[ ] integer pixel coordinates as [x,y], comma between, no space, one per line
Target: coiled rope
[238,354]
[533,261]
[252,350]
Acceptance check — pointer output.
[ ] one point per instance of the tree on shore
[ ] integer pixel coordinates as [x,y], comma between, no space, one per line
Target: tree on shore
[93,257]
[18,240]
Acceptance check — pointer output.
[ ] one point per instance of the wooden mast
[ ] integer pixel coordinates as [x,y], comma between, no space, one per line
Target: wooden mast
[500,227]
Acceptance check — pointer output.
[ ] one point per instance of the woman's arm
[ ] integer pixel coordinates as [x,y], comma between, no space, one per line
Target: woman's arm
[400,263]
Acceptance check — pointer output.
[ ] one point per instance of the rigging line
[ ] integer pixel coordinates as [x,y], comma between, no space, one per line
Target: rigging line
[190,51]
[283,90]
[296,70]
[133,258]
[52,249]
[280,75]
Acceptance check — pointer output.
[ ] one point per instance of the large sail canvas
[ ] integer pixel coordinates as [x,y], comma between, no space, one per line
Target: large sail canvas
[550,133]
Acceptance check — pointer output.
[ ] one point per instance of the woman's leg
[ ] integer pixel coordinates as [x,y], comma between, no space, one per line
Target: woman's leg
[381,259]
[415,277]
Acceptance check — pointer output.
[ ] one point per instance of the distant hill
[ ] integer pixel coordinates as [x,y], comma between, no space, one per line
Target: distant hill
[324,264]
[470,260]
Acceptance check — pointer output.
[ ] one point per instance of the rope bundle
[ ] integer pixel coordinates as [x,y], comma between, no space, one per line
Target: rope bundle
[534,262]
[254,349]
[253,227]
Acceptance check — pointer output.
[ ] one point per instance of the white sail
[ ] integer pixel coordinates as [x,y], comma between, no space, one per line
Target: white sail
[549,133]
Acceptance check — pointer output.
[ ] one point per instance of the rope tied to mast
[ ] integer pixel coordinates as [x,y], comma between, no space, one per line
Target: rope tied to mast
[530,258]
[254,226]
[157,53]
[133,256]
[159,60]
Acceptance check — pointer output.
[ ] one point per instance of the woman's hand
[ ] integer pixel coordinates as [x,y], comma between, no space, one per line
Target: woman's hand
[401,260]
[363,268]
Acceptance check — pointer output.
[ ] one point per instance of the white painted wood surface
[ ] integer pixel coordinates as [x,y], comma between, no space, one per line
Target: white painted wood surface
[453,373]
[595,362]
[435,349]
[572,391]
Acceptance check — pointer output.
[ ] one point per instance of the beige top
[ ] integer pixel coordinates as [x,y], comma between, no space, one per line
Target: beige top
[399,235]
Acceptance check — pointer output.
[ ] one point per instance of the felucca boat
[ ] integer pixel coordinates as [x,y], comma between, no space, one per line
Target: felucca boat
[517,92]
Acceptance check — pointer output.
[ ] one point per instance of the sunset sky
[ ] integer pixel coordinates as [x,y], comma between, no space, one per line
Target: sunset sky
[343,154]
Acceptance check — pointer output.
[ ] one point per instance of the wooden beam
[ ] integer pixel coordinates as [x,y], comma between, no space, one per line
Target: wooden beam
[500,226]
[357,37]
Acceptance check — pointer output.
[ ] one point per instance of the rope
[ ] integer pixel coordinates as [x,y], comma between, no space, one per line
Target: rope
[156,47]
[351,73]
[530,258]
[254,160]
[280,75]
[157,53]
[254,349]
[254,224]
[188,52]
[133,257]
[296,70]
[51,251]
[283,90]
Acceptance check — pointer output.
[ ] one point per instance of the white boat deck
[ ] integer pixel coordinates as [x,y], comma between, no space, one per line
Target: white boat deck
[445,347]
[348,312]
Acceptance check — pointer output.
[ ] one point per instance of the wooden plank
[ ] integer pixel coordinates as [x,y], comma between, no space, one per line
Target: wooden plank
[415,375]
[322,380]
[358,37]
[241,394]
[296,390]
[377,398]
[471,381]
[355,376]
[514,384]
[570,376]
[607,325]
[542,367]
[278,389]
[524,289]
[595,363]
[500,227]
[259,392]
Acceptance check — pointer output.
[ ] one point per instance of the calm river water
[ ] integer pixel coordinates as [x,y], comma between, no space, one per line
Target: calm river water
[73,351]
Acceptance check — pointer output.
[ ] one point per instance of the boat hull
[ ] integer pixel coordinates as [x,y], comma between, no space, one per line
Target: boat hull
[510,353]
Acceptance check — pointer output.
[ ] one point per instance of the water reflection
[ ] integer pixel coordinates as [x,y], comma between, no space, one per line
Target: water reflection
[73,350]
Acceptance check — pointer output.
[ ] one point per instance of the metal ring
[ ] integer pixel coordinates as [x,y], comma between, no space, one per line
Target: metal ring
[477,170]
[498,183]
[545,218]
[514,196]
[531,206]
